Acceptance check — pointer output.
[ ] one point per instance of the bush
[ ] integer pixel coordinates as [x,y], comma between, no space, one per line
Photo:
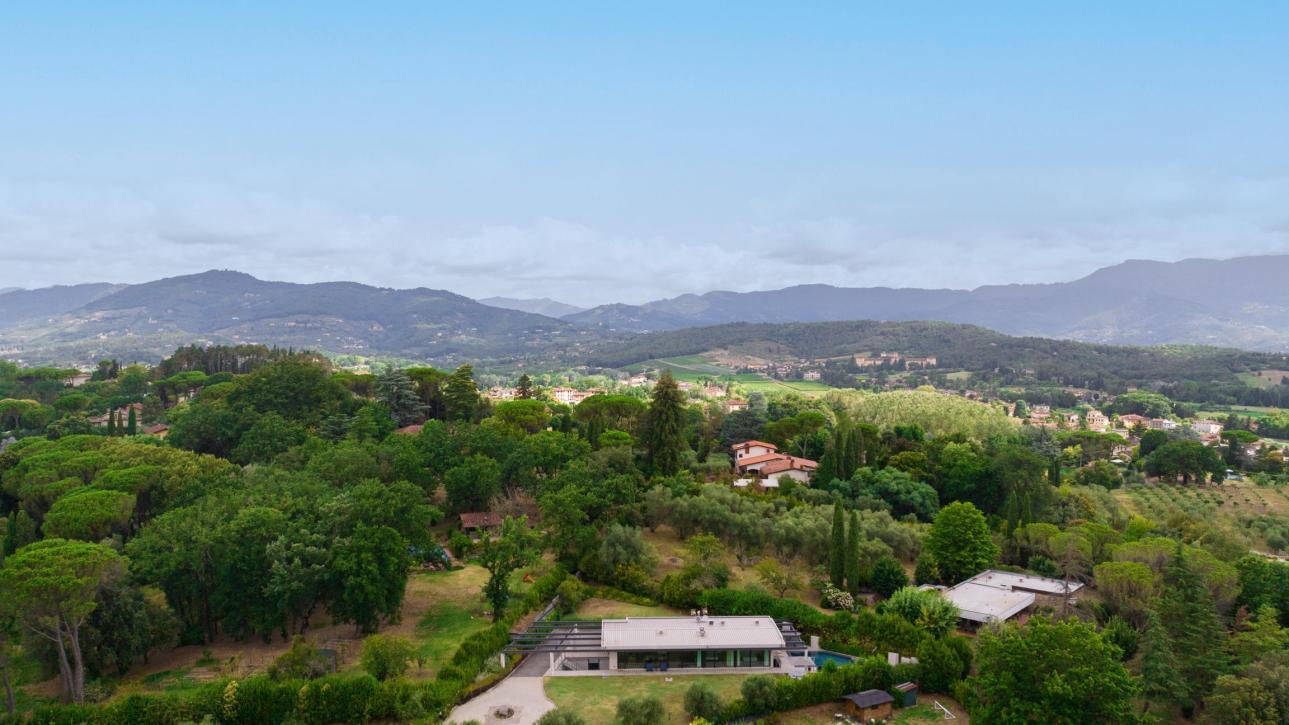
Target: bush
[302,661]
[571,595]
[335,699]
[561,717]
[643,710]
[701,702]
[386,656]
[760,693]
[257,700]
[888,576]
[938,666]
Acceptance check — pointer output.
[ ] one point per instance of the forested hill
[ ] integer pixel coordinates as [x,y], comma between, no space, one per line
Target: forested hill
[1241,302]
[144,321]
[960,347]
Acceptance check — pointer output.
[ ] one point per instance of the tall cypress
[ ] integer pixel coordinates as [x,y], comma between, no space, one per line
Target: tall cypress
[665,426]
[132,425]
[111,422]
[1161,681]
[837,551]
[1189,616]
[853,576]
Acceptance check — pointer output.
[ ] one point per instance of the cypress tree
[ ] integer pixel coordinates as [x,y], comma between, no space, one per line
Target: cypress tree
[1189,616]
[1054,473]
[111,422]
[837,551]
[665,426]
[1160,679]
[132,425]
[853,582]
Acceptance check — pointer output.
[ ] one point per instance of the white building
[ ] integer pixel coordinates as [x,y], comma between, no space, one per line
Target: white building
[1207,427]
[663,644]
[994,596]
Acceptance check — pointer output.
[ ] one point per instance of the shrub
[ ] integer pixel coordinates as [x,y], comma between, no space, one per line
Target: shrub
[335,698]
[938,666]
[302,661]
[571,595]
[701,702]
[386,656]
[760,693]
[643,710]
[888,576]
[561,717]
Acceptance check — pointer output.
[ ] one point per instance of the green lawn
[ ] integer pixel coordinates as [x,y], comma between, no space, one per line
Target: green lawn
[1244,411]
[456,612]
[596,698]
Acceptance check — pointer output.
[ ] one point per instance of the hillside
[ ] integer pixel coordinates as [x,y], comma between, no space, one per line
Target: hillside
[535,305]
[143,322]
[18,305]
[957,347]
[1240,302]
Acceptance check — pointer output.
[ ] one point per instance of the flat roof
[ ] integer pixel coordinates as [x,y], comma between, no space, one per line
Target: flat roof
[983,603]
[710,632]
[1024,582]
[996,596]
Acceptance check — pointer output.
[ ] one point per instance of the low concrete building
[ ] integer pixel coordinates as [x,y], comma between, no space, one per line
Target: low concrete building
[664,644]
[994,596]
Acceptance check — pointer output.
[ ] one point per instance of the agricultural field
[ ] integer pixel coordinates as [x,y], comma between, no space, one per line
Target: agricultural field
[1255,412]
[1263,378]
[596,698]
[1236,502]
[695,368]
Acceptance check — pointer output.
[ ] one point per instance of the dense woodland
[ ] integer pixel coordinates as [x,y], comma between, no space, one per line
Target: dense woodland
[286,494]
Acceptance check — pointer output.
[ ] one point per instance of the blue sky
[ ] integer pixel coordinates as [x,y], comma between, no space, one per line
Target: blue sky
[598,153]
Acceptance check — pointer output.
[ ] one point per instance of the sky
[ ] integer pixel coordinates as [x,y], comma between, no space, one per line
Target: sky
[623,152]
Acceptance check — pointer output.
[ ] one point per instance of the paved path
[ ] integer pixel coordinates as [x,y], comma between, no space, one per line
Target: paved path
[522,690]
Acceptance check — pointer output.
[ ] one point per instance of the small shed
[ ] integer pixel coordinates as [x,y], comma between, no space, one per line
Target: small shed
[869,705]
[475,522]
[909,691]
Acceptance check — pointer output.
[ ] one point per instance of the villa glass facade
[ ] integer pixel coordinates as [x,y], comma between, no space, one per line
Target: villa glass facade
[692,659]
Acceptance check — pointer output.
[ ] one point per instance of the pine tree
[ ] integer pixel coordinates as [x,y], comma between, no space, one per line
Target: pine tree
[132,426]
[853,583]
[837,551]
[1189,615]
[1161,680]
[665,426]
[460,394]
[525,391]
[398,393]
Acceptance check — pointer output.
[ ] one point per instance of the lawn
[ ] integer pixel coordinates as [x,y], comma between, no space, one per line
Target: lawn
[596,608]
[596,698]
[456,611]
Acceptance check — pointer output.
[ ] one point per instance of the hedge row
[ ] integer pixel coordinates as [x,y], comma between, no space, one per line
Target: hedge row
[259,700]
[864,632]
[826,685]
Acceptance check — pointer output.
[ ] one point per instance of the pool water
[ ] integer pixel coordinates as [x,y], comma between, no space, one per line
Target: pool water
[823,657]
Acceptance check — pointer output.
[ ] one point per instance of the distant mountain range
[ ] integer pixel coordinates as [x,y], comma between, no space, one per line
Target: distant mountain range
[537,306]
[78,325]
[1242,302]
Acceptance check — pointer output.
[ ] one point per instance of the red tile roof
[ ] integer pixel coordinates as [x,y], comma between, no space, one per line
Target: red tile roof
[788,463]
[480,520]
[748,444]
[410,430]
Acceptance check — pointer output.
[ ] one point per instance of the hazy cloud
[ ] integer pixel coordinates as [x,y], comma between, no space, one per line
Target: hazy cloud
[62,233]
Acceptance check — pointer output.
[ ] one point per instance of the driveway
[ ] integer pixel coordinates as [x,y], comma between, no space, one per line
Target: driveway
[522,690]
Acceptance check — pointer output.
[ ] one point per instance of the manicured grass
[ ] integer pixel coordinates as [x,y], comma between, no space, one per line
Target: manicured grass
[596,698]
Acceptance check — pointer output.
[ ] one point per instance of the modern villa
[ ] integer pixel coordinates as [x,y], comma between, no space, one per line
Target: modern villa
[994,596]
[663,644]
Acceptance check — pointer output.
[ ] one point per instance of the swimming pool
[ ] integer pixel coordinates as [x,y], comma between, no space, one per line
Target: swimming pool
[823,656]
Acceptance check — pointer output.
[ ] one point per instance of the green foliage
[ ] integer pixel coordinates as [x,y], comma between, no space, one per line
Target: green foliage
[664,426]
[960,543]
[302,661]
[1050,672]
[89,515]
[888,576]
[642,710]
[926,608]
[386,656]
[837,550]
[939,666]
[702,702]
[513,547]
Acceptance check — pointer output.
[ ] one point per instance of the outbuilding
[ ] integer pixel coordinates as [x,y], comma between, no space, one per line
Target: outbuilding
[869,705]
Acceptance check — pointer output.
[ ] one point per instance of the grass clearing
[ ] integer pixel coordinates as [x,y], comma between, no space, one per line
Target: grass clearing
[596,608]
[596,698]
[456,611]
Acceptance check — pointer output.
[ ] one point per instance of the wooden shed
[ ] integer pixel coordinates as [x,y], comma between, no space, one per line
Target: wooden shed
[869,705]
